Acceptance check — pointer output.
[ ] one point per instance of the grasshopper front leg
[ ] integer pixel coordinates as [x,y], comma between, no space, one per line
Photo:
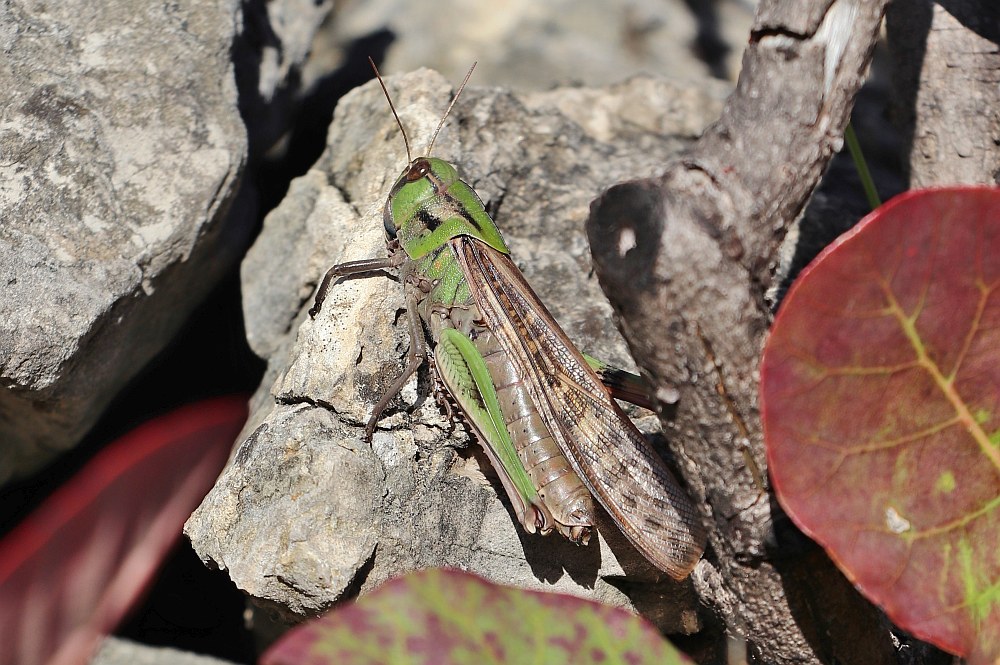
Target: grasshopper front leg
[394,260]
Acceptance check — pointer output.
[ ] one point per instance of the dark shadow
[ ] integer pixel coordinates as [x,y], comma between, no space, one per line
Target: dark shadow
[304,137]
[907,28]
[287,131]
[661,599]
[258,114]
[192,608]
[649,589]
[709,46]
[552,556]
[316,110]
[982,18]
[189,606]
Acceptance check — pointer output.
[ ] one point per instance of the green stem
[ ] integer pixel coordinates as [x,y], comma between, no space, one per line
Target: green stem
[859,163]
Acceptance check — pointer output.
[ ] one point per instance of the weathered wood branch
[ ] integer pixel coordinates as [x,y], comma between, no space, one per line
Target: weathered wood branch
[946,63]
[686,259]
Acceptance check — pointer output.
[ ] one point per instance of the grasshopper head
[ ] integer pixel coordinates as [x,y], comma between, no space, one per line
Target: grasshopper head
[430,204]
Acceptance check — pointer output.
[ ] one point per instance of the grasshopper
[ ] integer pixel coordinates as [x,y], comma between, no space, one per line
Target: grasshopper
[547,420]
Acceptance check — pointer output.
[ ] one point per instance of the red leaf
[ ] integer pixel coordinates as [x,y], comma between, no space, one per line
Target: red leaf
[70,571]
[449,617]
[880,396]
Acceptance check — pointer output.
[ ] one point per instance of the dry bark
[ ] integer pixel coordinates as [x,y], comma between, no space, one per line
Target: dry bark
[686,259]
[947,76]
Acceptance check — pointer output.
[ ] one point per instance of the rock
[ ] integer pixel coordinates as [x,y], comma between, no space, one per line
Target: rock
[121,149]
[526,45]
[308,512]
[117,651]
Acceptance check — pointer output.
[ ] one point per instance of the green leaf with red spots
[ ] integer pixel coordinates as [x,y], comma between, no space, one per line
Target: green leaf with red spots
[880,396]
[450,617]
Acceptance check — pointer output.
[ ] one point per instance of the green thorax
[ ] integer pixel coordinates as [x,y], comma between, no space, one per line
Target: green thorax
[430,204]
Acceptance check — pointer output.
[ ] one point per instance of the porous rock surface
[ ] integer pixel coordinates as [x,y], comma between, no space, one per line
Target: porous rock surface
[121,149]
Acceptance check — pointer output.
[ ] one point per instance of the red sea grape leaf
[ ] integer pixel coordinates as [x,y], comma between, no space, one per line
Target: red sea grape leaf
[74,566]
[448,617]
[880,399]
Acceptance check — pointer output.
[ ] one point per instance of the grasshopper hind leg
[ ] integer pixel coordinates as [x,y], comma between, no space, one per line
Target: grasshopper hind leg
[418,349]
[415,357]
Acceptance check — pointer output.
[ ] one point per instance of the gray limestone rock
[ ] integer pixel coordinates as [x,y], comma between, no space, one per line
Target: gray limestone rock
[528,45]
[118,651]
[120,155]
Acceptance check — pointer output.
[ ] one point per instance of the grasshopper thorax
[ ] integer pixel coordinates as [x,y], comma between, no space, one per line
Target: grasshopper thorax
[430,204]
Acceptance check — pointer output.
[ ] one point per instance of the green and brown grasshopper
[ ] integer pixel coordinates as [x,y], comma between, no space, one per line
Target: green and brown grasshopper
[548,422]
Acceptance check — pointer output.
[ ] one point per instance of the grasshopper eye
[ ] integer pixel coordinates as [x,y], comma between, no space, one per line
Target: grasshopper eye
[390,226]
[418,170]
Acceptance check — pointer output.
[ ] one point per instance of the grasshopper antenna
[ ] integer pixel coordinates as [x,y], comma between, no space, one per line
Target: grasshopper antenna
[406,141]
[450,107]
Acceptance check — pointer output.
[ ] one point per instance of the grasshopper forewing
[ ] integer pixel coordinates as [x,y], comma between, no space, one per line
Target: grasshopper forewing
[606,450]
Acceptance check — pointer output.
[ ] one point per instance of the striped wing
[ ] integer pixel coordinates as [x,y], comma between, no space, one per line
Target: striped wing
[606,450]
